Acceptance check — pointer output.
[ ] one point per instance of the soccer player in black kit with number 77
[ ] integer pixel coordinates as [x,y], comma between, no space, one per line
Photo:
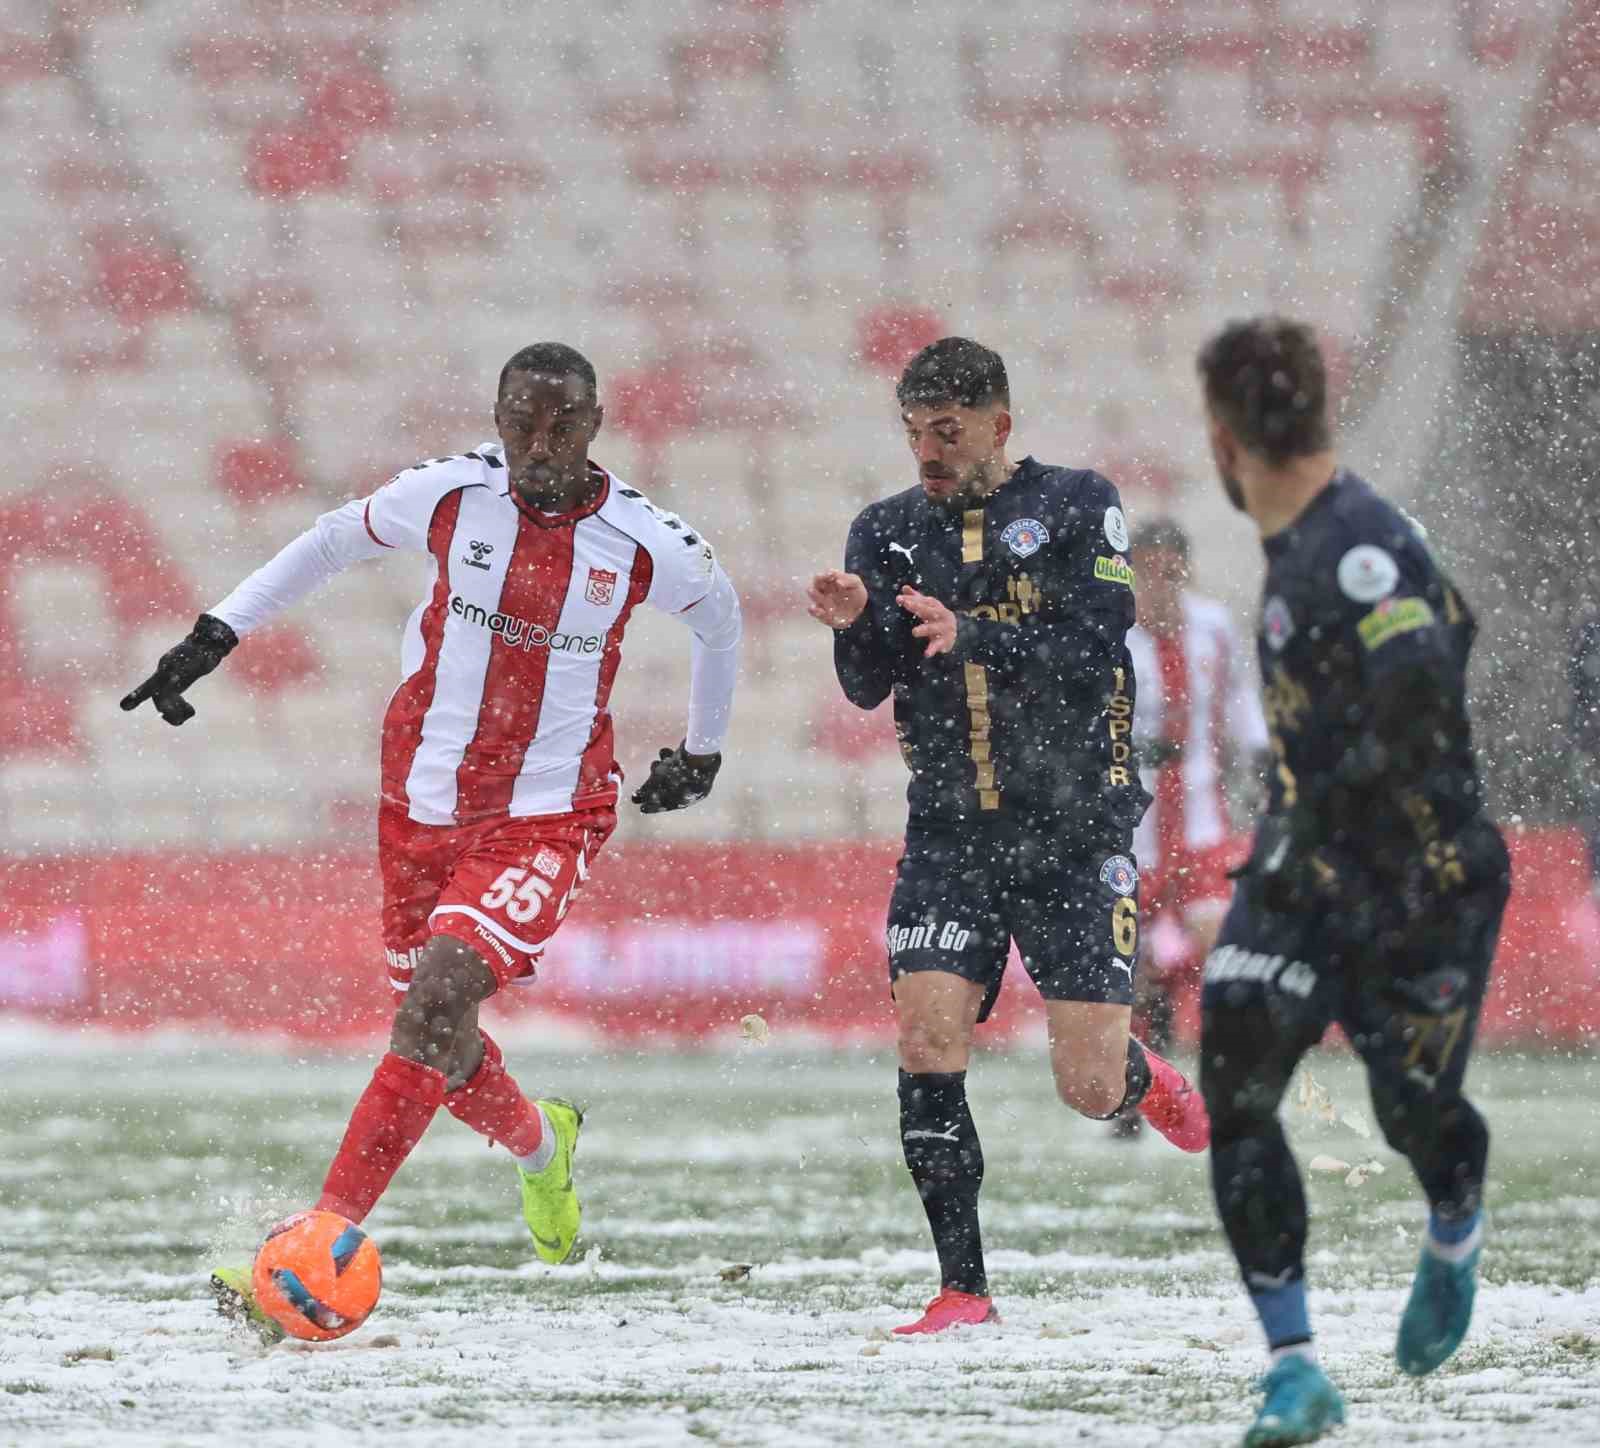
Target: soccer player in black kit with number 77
[1376,884]
[993,601]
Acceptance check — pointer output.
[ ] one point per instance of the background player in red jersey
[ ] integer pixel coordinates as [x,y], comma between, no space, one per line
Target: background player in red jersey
[499,780]
[1197,719]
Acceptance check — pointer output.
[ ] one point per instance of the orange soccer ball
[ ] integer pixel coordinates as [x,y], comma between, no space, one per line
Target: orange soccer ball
[317,1275]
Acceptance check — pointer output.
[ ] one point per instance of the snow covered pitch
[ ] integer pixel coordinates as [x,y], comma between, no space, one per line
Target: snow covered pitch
[128,1167]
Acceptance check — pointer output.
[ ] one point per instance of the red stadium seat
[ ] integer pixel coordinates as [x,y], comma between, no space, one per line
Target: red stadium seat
[258,472]
[887,337]
[652,404]
[28,57]
[140,279]
[713,54]
[349,102]
[276,656]
[292,161]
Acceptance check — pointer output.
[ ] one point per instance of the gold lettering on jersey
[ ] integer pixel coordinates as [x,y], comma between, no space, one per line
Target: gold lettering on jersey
[1291,786]
[1284,700]
[1119,711]
[1025,597]
[972,536]
[977,678]
[1441,856]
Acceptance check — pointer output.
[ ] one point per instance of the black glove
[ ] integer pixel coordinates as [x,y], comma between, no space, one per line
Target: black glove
[210,641]
[676,781]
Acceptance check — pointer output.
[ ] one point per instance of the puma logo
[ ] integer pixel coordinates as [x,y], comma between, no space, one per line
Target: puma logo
[1123,965]
[949,1135]
[901,548]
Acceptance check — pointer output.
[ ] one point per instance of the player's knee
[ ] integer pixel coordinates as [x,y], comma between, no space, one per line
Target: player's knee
[449,980]
[1092,1093]
[932,1044]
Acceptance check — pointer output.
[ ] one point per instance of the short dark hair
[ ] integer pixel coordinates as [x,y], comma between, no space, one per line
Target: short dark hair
[1266,379]
[555,359]
[954,369]
[1160,534]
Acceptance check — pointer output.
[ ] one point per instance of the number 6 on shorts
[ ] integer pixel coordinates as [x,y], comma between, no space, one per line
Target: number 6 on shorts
[1125,926]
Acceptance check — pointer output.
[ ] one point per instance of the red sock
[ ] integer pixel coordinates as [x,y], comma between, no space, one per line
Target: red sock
[493,1105]
[388,1121]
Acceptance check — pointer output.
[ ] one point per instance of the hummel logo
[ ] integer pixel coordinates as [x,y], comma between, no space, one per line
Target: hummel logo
[480,551]
[901,548]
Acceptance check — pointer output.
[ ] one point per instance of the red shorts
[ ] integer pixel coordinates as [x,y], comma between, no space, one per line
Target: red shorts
[501,886]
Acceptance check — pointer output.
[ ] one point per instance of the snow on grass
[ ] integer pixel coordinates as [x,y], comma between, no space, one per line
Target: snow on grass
[127,1169]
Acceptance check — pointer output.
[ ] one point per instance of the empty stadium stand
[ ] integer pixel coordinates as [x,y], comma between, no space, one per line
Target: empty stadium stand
[256,263]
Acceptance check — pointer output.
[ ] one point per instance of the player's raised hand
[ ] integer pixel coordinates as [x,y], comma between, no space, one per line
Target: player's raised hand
[836,598]
[936,623]
[210,641]
[677,780]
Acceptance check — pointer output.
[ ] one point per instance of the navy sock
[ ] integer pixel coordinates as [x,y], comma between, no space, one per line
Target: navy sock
[946,1163]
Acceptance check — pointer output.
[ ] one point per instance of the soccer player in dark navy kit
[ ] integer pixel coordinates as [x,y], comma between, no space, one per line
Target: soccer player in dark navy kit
[992,601]
[1376,884]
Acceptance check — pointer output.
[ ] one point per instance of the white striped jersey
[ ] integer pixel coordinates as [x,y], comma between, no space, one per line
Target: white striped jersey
[1198,691]
[509,659]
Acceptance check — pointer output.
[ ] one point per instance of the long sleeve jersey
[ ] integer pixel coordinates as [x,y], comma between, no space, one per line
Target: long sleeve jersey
[1031,716]
[1363,643]
[507,662]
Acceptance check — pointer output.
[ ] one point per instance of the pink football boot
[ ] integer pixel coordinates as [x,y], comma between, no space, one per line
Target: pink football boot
[1174,1107]
[951,1309]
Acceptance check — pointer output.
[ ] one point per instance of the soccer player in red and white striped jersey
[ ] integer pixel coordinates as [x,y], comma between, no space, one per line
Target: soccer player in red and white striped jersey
[499,780]
[1197,713]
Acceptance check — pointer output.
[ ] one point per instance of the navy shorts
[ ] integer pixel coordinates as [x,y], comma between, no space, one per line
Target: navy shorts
[1405,987]
[962,895]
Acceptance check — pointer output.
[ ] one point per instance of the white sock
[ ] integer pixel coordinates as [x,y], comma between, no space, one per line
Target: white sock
[543,1154]
[1454,1251]
[1305,1350]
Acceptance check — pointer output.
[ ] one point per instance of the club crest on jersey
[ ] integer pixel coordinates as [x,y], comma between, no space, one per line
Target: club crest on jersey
[1119,873]
[1277,623]
[601,585]
[1367,573]
[1025,536]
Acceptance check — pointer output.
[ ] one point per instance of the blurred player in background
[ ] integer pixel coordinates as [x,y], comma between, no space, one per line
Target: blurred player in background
[500,785]
[1197,718]
[993,600]
[1583,676]
[1375,886]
